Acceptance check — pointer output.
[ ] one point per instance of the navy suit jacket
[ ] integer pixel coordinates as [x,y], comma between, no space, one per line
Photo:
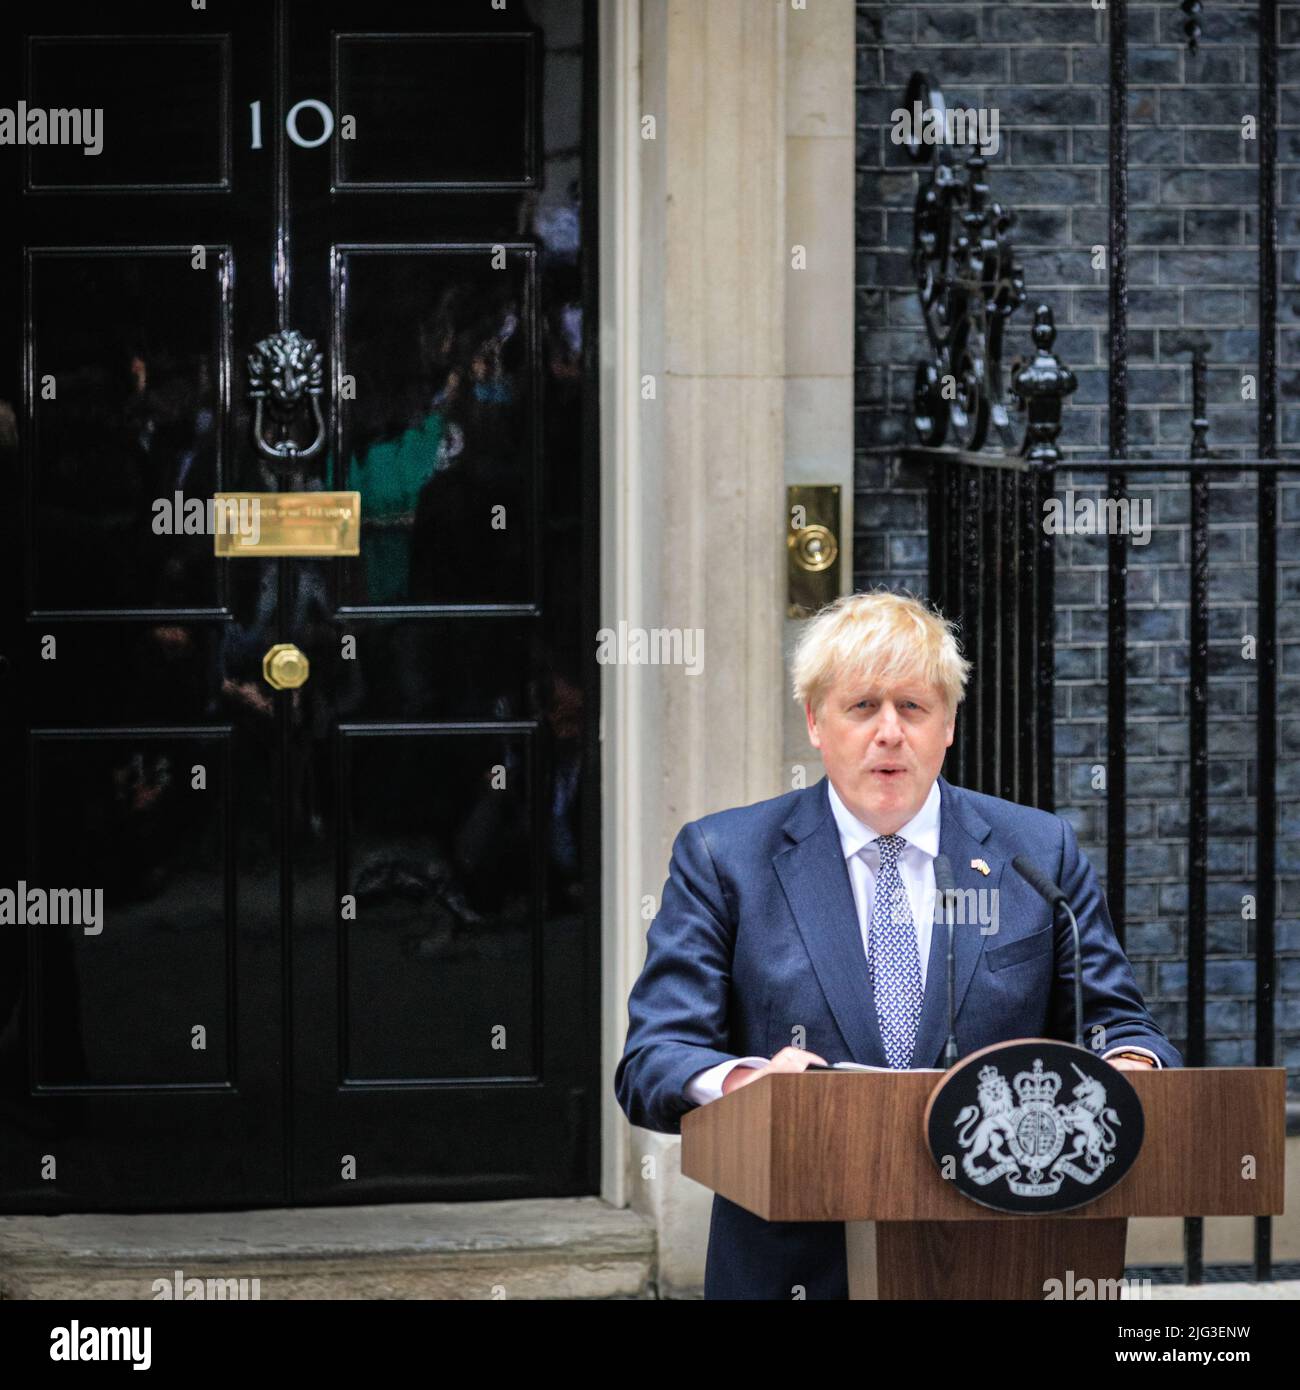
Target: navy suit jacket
[757,933]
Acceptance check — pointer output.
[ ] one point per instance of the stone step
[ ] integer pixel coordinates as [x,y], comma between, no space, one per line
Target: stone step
[556,1248]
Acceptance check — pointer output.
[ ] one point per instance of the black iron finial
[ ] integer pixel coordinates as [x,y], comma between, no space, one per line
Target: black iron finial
[1192,28]
[1040,389]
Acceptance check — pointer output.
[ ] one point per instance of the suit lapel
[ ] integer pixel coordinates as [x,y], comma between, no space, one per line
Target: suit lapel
[815,878]
[963,837]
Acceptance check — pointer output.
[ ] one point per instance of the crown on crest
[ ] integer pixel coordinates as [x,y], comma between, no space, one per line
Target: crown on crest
[1037,1087]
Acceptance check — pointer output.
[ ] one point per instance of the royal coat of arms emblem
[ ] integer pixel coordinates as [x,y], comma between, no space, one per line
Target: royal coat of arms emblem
[1006,1129]
[1024,1138]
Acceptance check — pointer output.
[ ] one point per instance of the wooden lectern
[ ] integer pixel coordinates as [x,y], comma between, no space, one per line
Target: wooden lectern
[851,1147]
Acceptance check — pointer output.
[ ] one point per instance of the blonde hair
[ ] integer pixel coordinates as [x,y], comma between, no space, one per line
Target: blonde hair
[878,637]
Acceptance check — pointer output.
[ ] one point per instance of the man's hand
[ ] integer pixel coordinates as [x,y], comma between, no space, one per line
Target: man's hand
[788,1059]
[1130,1063]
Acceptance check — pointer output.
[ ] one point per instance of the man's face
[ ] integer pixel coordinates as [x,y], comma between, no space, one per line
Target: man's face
[882,748]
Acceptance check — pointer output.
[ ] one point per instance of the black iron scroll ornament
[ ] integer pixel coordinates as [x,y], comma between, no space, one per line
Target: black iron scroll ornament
[969,284]
[284,371]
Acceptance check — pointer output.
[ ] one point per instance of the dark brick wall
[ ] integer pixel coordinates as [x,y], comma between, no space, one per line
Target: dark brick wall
[1193,270]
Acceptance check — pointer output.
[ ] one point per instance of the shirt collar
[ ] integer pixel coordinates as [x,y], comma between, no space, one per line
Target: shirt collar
[922,830]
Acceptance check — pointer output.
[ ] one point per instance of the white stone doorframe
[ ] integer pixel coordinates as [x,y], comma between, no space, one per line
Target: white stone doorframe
[752,359]
[692,289]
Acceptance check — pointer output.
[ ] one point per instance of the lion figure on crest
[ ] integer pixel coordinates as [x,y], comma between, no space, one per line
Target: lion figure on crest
[995,1123]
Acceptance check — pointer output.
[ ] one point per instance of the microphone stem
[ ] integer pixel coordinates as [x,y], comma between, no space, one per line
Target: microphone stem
[950,1050]
[1078,975]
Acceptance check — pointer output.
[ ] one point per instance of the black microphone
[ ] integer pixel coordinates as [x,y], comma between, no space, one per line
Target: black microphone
[1055,897]
[946,886]
[1039,882]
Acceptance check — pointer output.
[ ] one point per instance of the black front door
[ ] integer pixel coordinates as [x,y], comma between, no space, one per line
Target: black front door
[334,941]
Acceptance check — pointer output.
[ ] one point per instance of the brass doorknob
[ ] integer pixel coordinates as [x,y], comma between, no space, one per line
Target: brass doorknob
[284,667]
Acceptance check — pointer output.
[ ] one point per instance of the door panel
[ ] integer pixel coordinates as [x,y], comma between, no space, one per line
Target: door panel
[451,750]
[135,341]
[166,103]
[441,441]
[409,91]
[140,1066]
[443,870]
[163,856]
[348,946]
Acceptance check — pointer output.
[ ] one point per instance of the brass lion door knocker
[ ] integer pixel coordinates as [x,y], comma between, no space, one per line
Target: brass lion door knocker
[283,370]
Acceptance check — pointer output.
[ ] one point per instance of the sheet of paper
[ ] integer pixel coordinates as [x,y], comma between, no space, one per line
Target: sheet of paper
[862,1066]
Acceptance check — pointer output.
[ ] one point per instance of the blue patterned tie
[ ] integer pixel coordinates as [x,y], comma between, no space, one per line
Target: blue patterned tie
[892,957]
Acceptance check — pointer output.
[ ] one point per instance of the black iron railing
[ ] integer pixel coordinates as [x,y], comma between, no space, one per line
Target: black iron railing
[991,559]
[992,570]
[990,566]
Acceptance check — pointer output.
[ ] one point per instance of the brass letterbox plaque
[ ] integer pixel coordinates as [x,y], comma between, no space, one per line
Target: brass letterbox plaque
[305,524]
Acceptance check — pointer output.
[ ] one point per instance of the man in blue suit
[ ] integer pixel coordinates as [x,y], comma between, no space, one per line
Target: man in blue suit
[801,929]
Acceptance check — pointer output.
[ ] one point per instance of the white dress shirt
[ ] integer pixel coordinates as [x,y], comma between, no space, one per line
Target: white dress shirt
[915,868]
